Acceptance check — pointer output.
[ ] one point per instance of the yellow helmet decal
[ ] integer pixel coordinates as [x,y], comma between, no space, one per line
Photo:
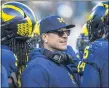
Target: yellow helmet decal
[25,29]
[6,17]
[14,8]
[90,17]
[106,13]
[84,30]
[36,30]
[101,4]
[30,27]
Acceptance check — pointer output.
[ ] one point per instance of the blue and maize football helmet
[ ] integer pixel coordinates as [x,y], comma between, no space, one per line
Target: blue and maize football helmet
[98,23]
[17,20]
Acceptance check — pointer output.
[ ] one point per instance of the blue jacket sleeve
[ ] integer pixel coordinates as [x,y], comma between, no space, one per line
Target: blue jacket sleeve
[35,76]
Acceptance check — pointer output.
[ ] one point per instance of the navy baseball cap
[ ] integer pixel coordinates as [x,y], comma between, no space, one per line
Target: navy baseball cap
[51,23]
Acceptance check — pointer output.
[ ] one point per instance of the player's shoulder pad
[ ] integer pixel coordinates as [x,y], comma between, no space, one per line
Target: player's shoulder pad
[98,51]
[99,45]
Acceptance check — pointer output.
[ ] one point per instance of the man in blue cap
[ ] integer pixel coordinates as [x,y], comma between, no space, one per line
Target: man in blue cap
[48,66]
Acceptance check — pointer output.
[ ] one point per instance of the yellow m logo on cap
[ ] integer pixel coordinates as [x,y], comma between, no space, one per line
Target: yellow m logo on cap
[60,20]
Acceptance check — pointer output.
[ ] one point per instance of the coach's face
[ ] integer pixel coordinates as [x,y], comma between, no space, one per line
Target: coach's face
[56,40]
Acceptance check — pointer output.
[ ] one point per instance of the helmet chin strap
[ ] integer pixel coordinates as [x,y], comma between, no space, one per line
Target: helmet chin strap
[8,37]
[6,24]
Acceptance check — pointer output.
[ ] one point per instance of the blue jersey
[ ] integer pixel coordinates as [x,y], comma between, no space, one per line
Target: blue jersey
[8,60]
[42,72]
[96,67]
[79,55]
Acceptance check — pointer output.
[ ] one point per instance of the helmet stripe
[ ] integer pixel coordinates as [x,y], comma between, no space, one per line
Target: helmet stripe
[105,5]
[31,12]
[15,8]
[91,16]
[17,4]
[107,11]
[5,17]
[84,30]
[36,30]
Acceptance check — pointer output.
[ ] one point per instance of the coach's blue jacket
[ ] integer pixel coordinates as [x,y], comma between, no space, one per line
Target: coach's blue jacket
[42,72]
[96,72]
[8,59]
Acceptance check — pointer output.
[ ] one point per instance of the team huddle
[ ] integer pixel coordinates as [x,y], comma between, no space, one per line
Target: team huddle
[52,63]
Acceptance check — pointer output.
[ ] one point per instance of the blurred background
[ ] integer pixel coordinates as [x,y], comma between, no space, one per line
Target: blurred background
[73,12]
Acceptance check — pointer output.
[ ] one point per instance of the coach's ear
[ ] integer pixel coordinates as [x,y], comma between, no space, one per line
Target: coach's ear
[45,38]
